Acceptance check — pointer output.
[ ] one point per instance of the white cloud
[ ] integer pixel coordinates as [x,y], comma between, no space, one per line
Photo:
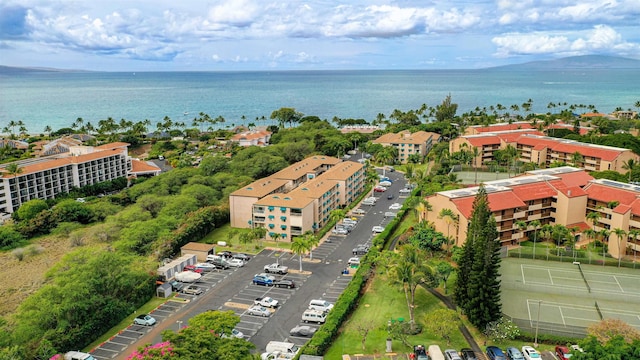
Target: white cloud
[601,38]
[234,12]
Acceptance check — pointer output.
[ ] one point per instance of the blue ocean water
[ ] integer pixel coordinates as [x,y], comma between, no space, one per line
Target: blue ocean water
[58,98]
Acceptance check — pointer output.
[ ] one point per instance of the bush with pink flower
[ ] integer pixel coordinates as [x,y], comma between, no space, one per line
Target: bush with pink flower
[162,350]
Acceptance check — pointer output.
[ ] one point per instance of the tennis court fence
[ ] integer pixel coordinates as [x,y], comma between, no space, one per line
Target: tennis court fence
[528,326]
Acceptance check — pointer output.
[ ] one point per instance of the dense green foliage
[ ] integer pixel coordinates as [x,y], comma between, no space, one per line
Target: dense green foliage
[427,238]
[87,293]
[615,349]
[477,289]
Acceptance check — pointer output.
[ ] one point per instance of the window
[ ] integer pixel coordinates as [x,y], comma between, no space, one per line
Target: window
[283,227]
[283,218]
[271,208]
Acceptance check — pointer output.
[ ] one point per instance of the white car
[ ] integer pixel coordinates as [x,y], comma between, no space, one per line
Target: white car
[405,191]
[234,333]
[385,183]
[259,311]
[389,214]
[358,211]
[530,353]
[353,261]
[395,206]
[377,229]
[340,231]
[235,262]
[205,266]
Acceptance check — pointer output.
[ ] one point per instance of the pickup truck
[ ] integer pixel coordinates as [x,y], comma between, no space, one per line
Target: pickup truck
[266,301]
[276,269]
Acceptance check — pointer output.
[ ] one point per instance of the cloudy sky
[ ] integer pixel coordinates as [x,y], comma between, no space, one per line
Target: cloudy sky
[137,35]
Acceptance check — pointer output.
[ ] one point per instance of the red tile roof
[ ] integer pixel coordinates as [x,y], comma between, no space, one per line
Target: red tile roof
[503,127]
[575,178]
[141,167]
[533,191]
[480,141]
[562,146]
[582,226]
[607,194]
[497,201]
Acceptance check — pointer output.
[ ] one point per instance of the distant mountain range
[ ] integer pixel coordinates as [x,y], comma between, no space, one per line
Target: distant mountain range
[576,62]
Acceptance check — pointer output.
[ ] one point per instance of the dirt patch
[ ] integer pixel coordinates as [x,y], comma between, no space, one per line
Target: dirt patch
[141,152]
[19,279]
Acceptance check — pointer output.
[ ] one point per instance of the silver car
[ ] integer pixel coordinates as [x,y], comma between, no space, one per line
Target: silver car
[259,311]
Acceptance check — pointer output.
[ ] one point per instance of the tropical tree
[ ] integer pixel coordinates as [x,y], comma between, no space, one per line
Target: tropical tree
[633,234]
[286,115]
[535,224]
[450,218]
[411,271]
[604,235]
[620,233]
[275,236]
[629,165]
[594,217]
[300,246]
[312,240]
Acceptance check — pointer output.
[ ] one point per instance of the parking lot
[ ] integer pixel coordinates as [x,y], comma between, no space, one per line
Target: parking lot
[322,278]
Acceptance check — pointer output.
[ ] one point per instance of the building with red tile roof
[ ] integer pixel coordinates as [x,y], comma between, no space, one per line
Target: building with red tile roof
[298,198]
[564,195]
[46,177]
[544,151]
[252,138]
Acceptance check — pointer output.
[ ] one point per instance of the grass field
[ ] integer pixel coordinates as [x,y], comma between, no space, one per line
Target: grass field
[469,177]
[562,300]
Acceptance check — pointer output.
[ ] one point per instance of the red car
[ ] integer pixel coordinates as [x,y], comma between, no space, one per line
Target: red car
[192,268]
[563,352]
[379,189]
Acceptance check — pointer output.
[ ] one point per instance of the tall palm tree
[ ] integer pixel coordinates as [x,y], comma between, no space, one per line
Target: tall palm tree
[535,224]
[594,217]
[629,165]
[450,218]
[275,237]
[604,234]
[620,233]
[299,246]
[634,233]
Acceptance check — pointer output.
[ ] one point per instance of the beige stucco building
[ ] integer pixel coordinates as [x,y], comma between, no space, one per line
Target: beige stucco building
[298,198]
[408,143]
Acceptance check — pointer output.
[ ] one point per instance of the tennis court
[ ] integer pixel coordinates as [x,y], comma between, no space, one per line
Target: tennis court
[557,297]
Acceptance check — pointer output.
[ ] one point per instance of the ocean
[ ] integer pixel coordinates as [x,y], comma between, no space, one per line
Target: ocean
[56,99]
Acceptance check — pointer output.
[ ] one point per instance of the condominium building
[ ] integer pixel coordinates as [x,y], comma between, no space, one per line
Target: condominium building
[45,178]
[298,198]
[407,143]
[252,138]
[564,195]
[543,151]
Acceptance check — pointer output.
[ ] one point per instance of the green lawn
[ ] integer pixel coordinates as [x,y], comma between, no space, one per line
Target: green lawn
[383,302]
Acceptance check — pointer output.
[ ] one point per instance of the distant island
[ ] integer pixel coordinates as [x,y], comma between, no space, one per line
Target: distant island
[574,62]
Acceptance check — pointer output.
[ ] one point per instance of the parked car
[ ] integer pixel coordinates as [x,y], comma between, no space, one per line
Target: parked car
[219,262]
[303,330]
[563,352]
[192,290]
[379,189]
[420,352]
[514,354]
[284,283]
[353,261]
[451,354]
[405,191]
[358,211]
[385,183]
[241,256]
[78,355]
[225,254]
[377,229]
[468,354]
[262,280]
[205,267]
[276,268]
[530,353]
[577,348]
[144,319]
[266,301]
[234,333]
[339,231]
[495,353]
[233,262]
[395,206]
[258,310]
[192,268]
[360,249]
[389,214]
[350,221]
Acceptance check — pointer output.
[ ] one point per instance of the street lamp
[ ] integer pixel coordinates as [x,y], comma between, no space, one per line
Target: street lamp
[179,325]
[535,342]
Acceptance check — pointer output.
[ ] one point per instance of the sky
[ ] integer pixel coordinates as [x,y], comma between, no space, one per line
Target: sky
[266,35]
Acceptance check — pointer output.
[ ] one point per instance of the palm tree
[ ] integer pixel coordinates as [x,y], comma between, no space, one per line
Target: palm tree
[275,237]
[634,233]
[535,224]
[604,233]
[312,241]
[411,271]
[47,129]
[422,208]
[629,165]
[619,234]
[337,215]
[594,217]
[576,158]
[450,218]
[299,246]
[15,169]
